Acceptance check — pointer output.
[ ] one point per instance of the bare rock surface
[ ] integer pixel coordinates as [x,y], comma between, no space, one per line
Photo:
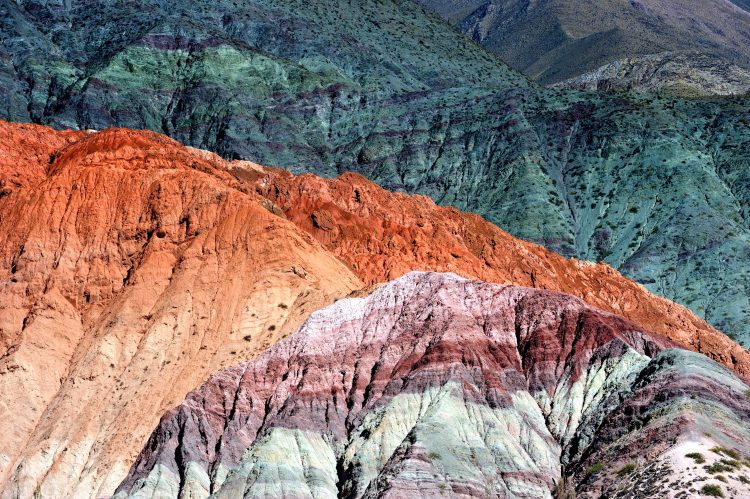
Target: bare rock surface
[436,385]
[683,74]
[130,269]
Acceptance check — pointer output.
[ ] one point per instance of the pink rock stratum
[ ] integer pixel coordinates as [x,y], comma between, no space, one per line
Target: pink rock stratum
[436,385]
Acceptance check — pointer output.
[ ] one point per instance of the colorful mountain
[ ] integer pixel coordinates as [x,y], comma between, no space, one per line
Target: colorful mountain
[134,267]
[131,268]
[439,386]
[655,186]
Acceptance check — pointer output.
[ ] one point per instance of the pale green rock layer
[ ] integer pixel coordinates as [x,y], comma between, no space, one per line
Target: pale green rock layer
[439,386]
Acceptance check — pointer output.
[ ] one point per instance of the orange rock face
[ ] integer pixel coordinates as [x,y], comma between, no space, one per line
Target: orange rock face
[132,267]
[383,235]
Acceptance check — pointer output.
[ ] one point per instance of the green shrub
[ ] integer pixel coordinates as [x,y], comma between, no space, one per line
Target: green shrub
[731,462]
[697,457]
[594,468]
[626,470]
[434,455]
[718,468]
[712,490]
[727,452]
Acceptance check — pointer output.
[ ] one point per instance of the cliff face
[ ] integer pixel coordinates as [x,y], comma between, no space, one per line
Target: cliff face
[130,269]
[435,385]
[655,186]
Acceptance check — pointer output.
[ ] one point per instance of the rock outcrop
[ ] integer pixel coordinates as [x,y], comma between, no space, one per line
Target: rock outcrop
[382,235]
[679,74]
[435,385]
[131,268]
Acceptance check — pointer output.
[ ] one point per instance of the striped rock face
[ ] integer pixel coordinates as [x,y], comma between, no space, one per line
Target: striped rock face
[436,385]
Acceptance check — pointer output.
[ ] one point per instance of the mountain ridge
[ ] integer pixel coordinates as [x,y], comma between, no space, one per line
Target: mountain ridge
[530,380]
[563,39]
[555,167]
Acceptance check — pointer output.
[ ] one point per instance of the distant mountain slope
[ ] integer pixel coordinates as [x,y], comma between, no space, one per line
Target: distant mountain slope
[556,40]
[657,187]
[437,386]
[685,73]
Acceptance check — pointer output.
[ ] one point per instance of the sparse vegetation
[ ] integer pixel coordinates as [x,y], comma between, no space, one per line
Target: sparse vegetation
[732,463]
[718,468]
[434,455]
[594,469]
[712,490]
[697,457]
[626,470]
[727,452]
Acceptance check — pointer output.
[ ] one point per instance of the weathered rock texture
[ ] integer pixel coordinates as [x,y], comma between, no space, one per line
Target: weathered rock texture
[657,187]
[556,40]
[686,74]
[130,269]
[435,385]
[133,267]
[382,235]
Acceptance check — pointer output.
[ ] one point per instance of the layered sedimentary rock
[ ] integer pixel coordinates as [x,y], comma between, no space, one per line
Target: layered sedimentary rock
[130,269]
[382,235]
[435,385]
[656,187]
[133,267]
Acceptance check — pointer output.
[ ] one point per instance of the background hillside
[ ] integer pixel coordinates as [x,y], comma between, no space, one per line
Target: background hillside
[655,186]
[556,40]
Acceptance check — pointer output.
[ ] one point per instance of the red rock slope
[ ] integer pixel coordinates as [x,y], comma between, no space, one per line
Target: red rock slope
[130,269]
[382,235]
